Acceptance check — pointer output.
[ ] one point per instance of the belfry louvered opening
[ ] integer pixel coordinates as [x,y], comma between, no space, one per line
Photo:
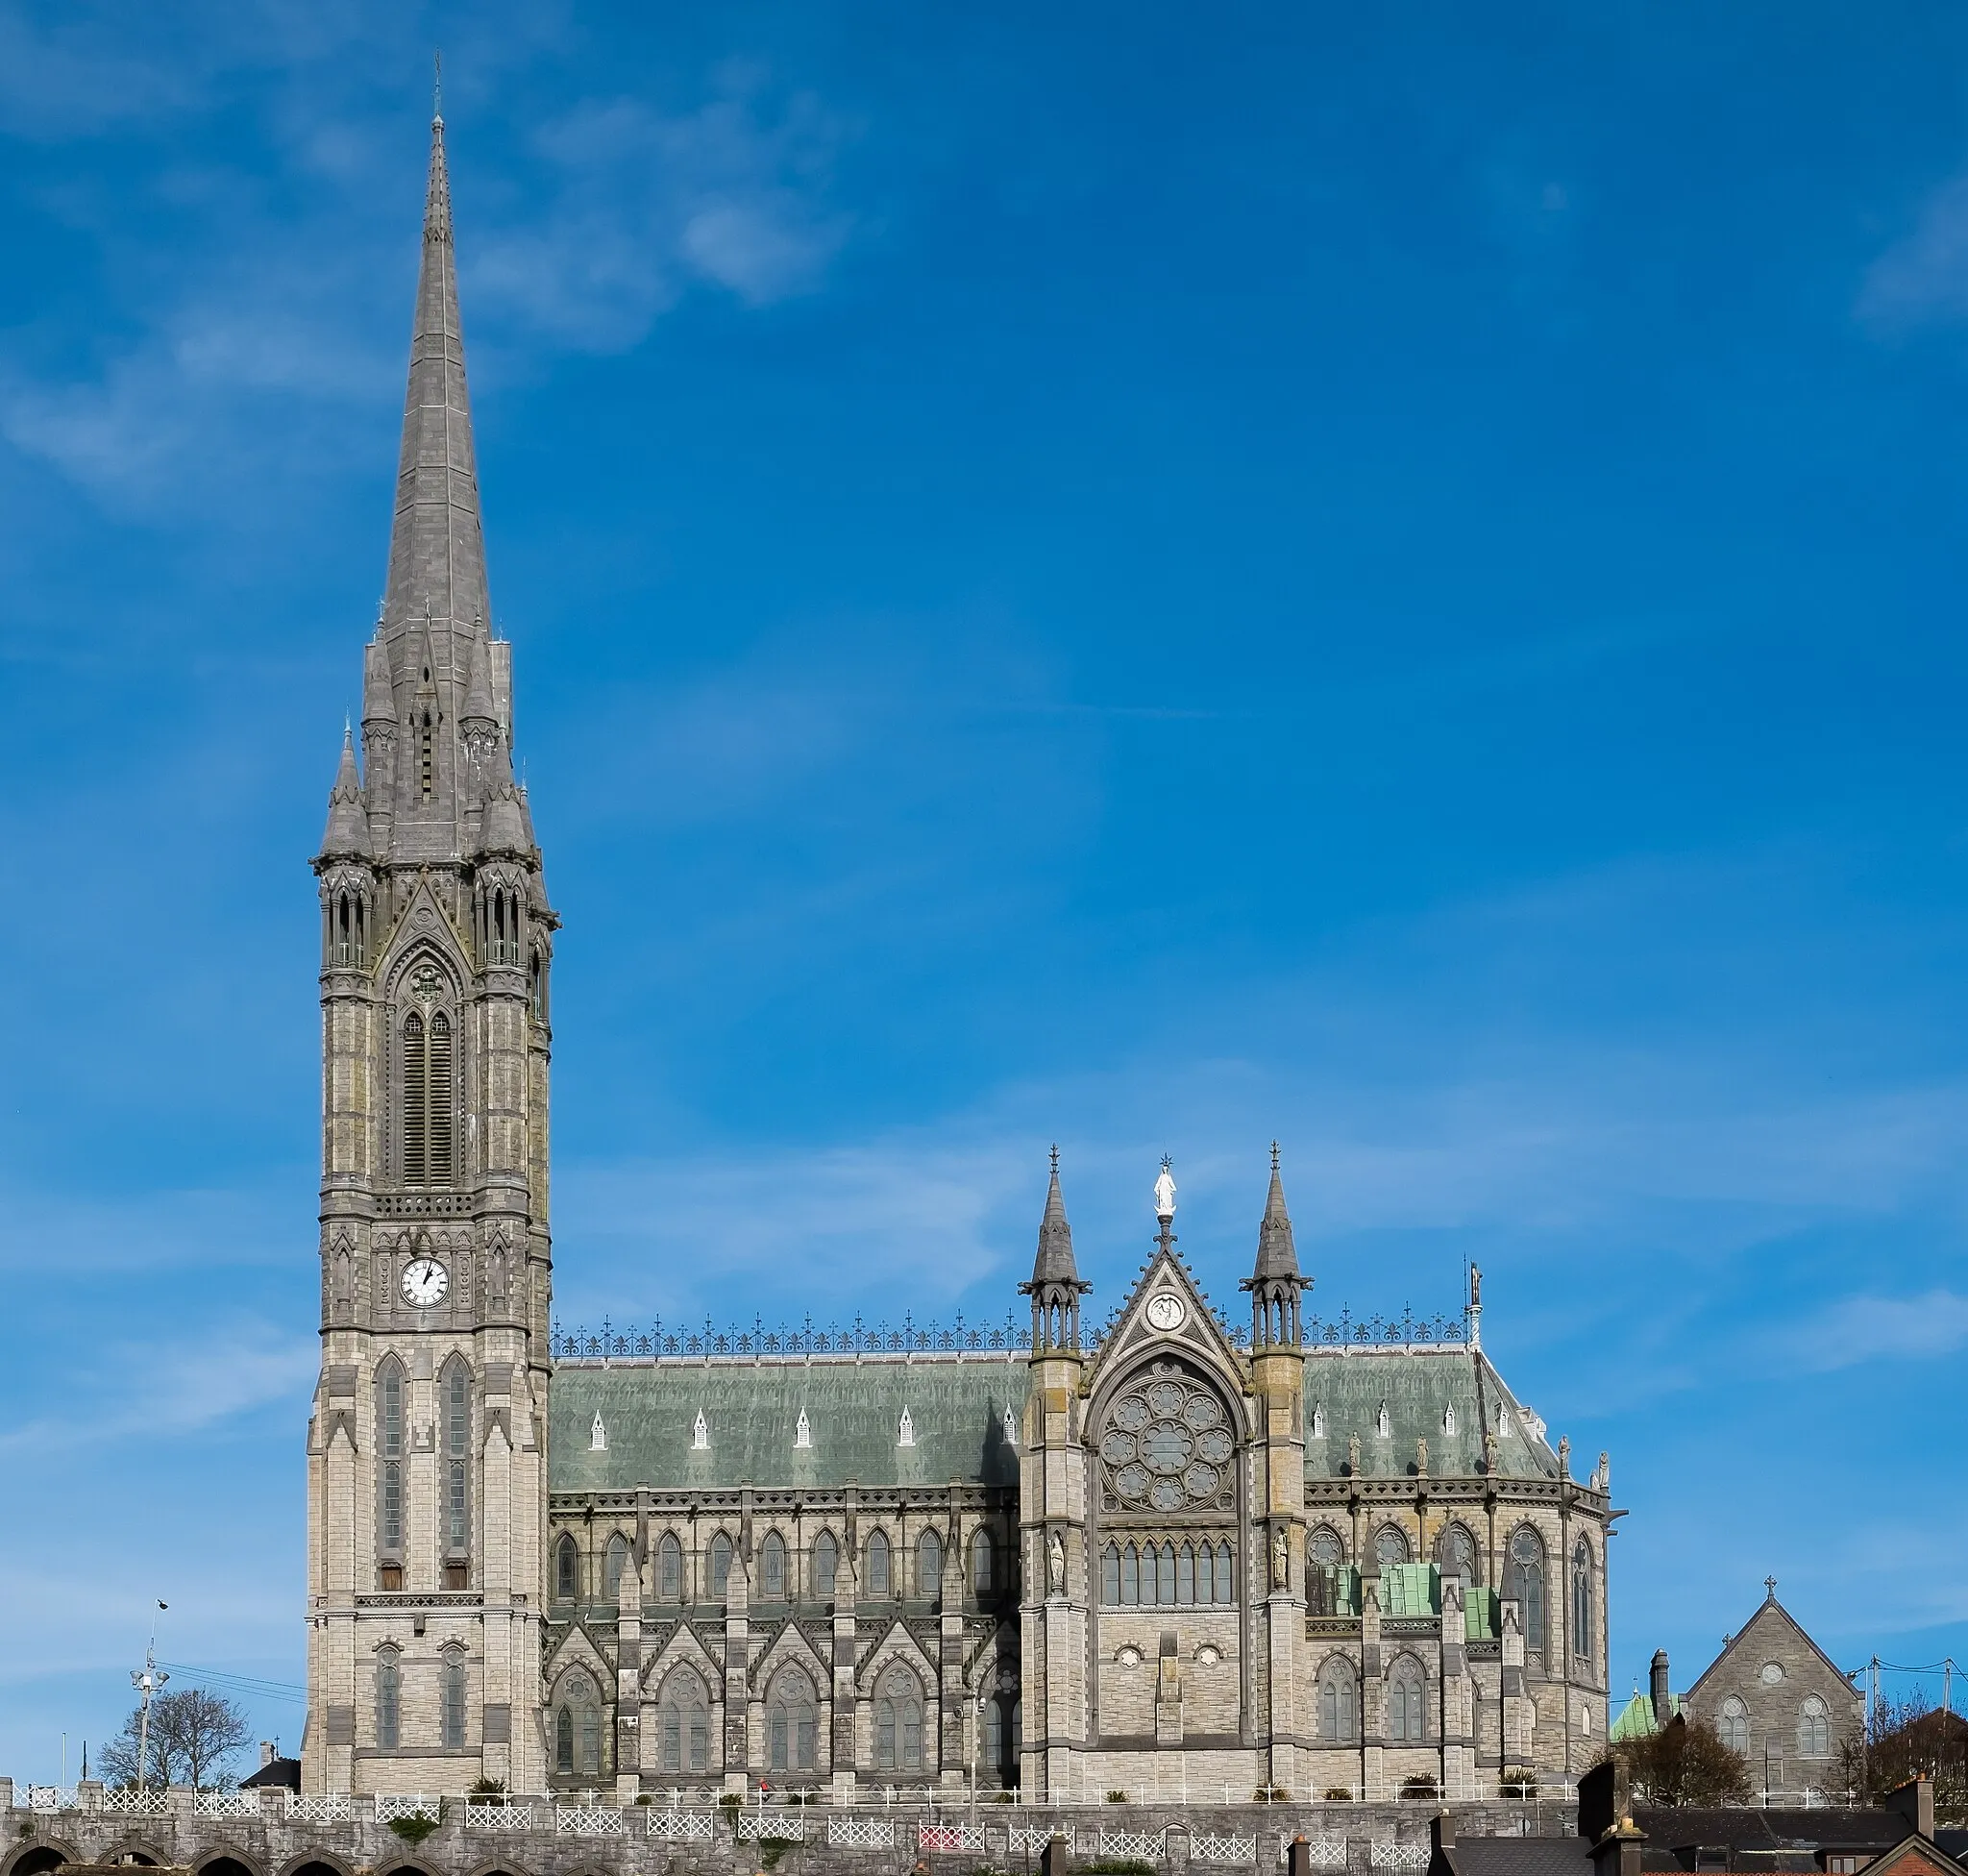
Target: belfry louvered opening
[427,1130]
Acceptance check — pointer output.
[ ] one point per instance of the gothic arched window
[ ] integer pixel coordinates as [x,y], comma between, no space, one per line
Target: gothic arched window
[1110,1576]
[1338,1702]
[792,1723]
[614,1563]
[389,1472]
[1168,1445]
[389,1696]
[566,1568]
[1164,1575]
[1389,1545]
[578,1727]
[826,1565]
[877,1564]
[683,1722]
[455,1394]
[1581,1601]
[898,1722]
[930,1566]
[1130,1579]
[1813,1729]
[1226,1582]
[1206,1573]
[427,1113]
[983,1564]
[1407,1702]
[720,1562]
[1523,1583]
[1734,1725]
[669,1568]
[772,1567]
[451,1698]
[1456,1553]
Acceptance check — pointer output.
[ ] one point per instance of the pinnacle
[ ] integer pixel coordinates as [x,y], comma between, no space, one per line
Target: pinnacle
[1277,1254]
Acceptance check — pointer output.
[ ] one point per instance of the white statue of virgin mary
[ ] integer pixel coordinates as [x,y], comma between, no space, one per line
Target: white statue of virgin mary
[1165,1193]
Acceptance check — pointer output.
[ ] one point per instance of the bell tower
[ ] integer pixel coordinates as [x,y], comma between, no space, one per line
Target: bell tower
[427,1464]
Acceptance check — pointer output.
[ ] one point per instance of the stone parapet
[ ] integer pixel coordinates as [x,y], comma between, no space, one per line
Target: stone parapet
[265,1834]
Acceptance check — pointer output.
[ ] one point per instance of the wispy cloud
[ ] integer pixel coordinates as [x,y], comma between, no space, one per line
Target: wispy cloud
[735,195]
[1864,1328]
[176,1387]
[1922,279]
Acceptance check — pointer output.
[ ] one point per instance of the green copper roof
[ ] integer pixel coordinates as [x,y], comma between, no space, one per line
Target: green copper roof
[1635,1720]
[853,1408]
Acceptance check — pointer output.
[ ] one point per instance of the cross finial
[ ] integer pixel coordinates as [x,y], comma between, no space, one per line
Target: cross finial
[1055,1159]
[437,88]
[1274,1155]
[1770,1584]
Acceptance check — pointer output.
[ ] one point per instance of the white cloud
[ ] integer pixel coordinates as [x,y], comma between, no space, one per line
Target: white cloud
[646,204]
[1866,1328]
[1923,279]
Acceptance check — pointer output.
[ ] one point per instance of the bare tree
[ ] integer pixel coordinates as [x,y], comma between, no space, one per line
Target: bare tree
[1684,1762]
[1907,1738]
[193,1736]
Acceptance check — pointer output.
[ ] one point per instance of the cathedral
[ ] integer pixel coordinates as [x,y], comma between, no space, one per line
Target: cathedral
[1162,1558]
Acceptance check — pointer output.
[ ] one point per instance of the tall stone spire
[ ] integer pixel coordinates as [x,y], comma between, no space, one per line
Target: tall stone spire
[1055,1288]
[437,550]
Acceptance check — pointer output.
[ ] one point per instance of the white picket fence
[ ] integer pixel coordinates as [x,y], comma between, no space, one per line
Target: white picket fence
[138,1804]
[224,1804]
[490,1815]
[860,1833]
[949,1837]
[411,1803]
[1382,1854]
[51,1797]
[588,1820]
[680,1826]
[1142,1846]
[1205,1848]
[316,1808]
[754,1826]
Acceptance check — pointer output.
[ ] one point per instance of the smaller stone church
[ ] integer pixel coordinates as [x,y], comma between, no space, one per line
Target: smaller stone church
[1773,1695]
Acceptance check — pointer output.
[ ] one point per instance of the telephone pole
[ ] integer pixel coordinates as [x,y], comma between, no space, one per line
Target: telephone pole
[147,1681]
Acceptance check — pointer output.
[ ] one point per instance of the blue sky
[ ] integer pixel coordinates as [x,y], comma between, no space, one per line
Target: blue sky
[1108,576]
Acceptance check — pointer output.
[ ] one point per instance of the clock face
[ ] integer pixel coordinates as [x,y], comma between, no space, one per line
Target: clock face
[425,1282]
[1165,1310]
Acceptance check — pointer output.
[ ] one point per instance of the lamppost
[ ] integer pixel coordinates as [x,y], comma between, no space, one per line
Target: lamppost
[976,1729]
[147,1681]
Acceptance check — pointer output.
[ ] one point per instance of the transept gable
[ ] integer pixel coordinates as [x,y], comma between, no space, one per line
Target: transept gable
[790,1644]
[897,1644]
[685,1647]
[996,1652]
[576,1648]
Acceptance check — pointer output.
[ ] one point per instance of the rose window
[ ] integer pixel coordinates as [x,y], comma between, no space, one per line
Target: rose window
[1168,1447]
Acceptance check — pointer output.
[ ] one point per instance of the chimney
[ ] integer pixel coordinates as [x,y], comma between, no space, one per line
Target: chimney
[1618,1852]
[1657,1681]
[1914,1802]
[1598,1800]
[1442,1840]
[266,1754]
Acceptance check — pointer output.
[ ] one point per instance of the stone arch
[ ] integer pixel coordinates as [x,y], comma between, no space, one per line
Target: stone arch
[316,1863]
[792,1646]
[42,1854]
[403,1866]
[227,1860]
[496,1867]
[1199,1365]
[142,1850]
[1337,1700]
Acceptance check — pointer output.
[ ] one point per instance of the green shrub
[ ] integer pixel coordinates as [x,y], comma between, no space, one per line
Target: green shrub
[414,1830]
[1117,1797]
[1339,1795]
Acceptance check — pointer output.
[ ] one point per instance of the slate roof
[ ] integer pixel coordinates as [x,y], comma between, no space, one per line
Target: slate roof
[957,1404]
[1516,1856]
[1754,1829]
[1419,1386]
[854,1407]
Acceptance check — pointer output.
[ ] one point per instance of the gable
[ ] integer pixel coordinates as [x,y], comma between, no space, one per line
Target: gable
[1165,1313]
[1775,1633]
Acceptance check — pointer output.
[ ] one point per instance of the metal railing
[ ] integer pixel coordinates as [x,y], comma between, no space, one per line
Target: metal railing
[320,1807]
[417,1803]
[588,1820]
